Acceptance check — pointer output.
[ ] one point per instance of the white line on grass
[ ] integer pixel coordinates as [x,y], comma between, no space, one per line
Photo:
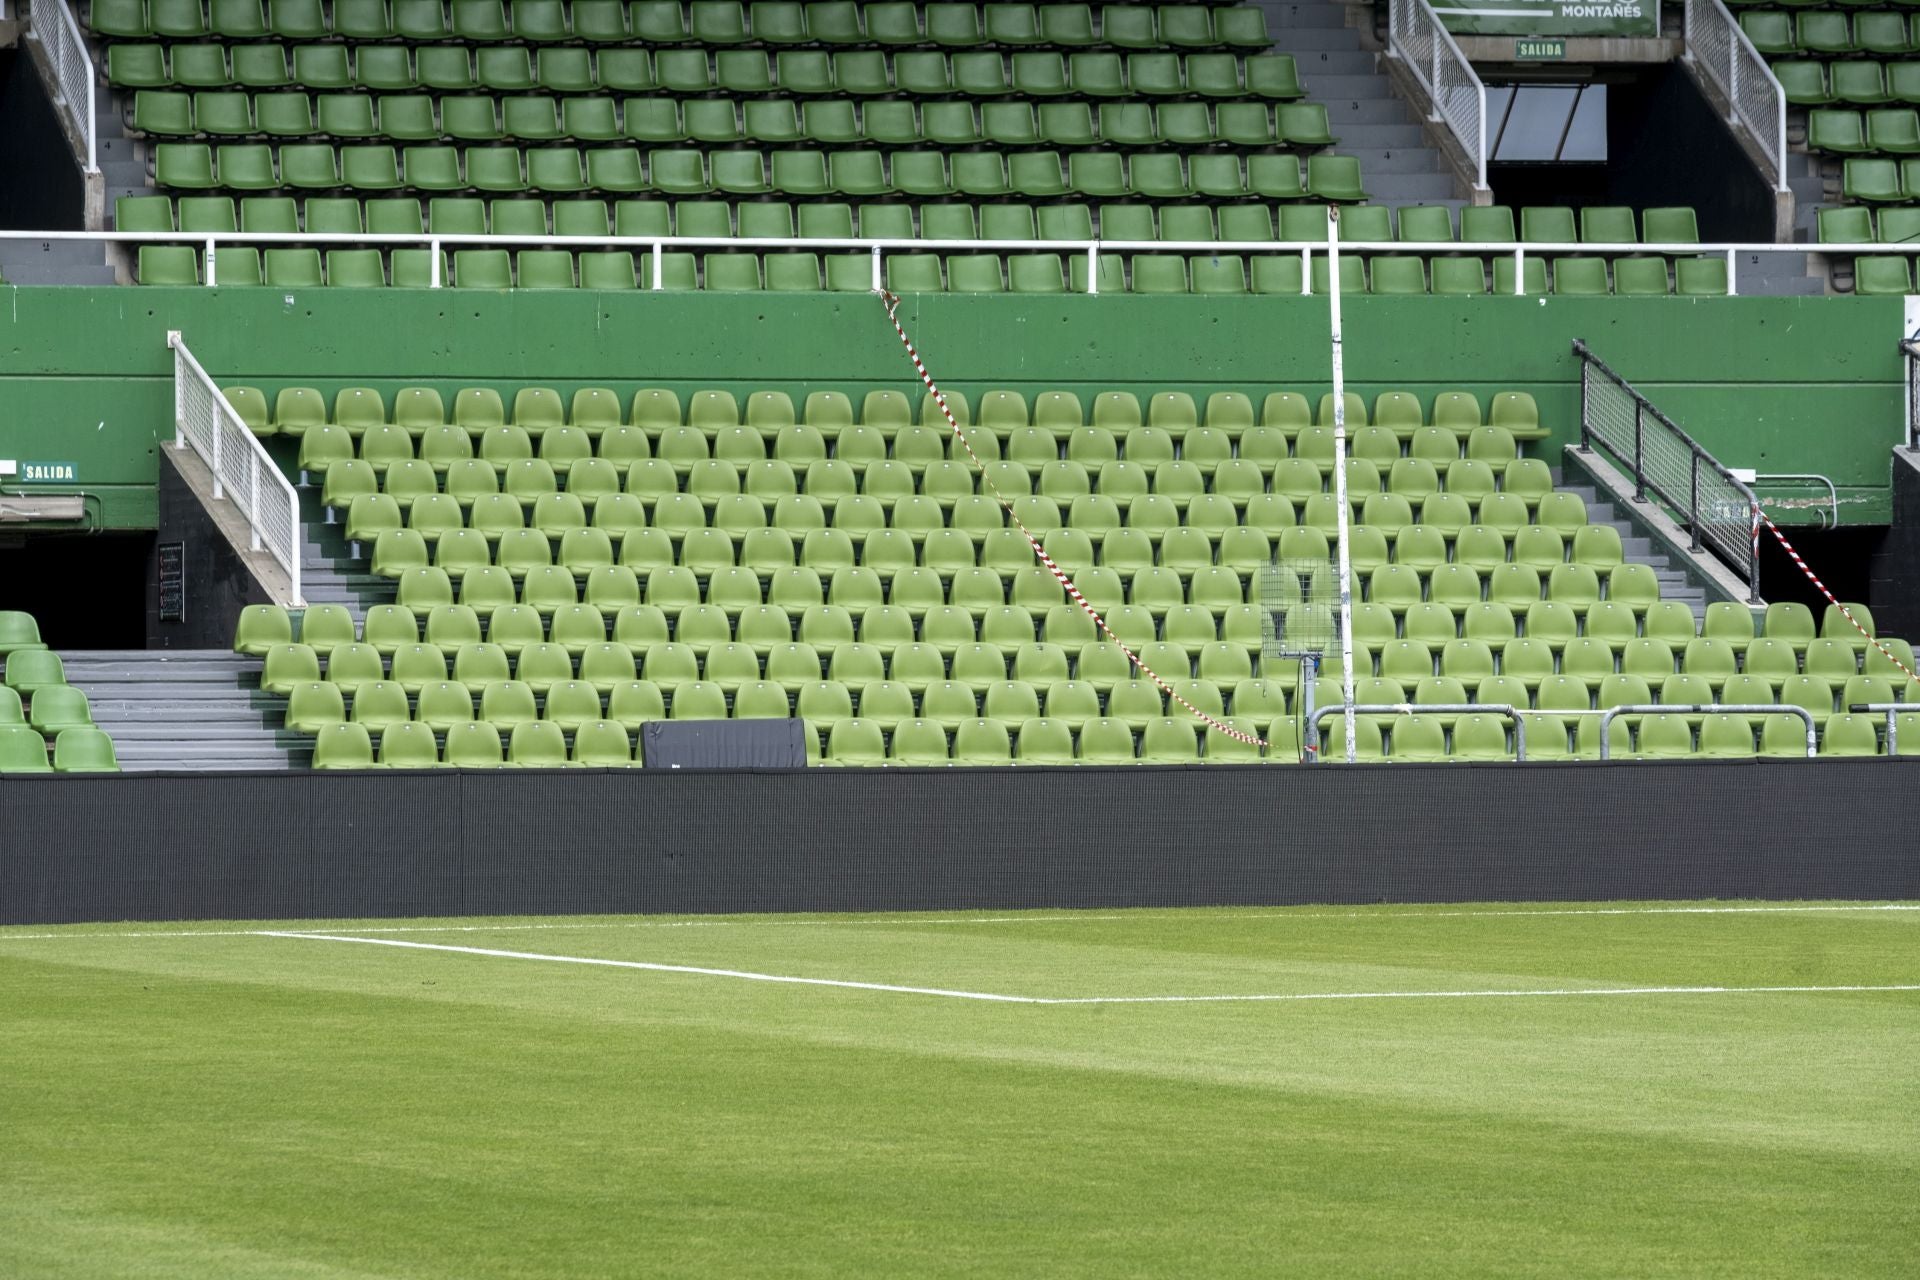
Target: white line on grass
[1471,995]
[1384,912]
[1010,999]
[658,968]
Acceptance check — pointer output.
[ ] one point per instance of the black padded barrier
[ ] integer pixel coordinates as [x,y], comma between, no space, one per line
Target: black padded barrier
[512,842]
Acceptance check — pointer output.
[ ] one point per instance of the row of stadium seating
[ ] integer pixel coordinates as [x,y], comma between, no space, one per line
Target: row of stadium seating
[1150,175]
[1044,741]
[386,465]
[1887,130]
[719,121]
[1034,77]
[912,685]
[1766,669]
[39,710]
[1830,31]
[940,220]
[930,273]
[658,410]
[709,22]
[1865,84]
[1787,645]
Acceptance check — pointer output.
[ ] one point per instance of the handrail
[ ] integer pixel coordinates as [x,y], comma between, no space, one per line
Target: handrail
[1892,711]
[242,470]
[1511,712]
[1717,507]
[1911,349]
[1608,716]
[1723,53]
[73,74]
[1419,41]
[1519,252]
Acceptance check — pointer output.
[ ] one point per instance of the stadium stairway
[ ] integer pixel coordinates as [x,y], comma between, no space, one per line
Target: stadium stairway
[1372,121]
[197,709]
[329,573]
[76,262]
[1675,583]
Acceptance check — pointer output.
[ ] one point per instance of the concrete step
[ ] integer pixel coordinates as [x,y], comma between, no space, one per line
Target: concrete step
[1374,163]
[1410,188]
[1344,111]
[1324,88]
[185,709]
[51,253]
[56,275]
[1353,137]
[1307,42]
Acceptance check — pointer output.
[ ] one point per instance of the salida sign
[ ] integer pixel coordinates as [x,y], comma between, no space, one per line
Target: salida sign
[1635,18]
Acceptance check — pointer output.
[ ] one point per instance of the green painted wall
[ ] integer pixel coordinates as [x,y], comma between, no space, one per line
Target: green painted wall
[1780,384]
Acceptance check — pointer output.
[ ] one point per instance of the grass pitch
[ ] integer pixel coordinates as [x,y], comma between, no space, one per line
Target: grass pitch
[213,1101]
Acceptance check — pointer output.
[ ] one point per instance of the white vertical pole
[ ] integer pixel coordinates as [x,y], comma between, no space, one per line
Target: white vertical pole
[1340,477]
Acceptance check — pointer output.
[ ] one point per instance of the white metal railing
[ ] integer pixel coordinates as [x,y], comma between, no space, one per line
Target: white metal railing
[1421,43]
[1720,50]
[52,24]
[243,473]
[655,247]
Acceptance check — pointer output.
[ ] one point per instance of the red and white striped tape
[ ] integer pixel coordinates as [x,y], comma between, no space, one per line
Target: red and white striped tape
[892,303]
[1821,587]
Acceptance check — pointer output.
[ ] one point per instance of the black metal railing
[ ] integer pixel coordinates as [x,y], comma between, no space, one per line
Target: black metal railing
[1718,510]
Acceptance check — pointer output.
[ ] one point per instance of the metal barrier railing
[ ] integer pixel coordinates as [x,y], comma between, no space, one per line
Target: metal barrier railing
[243,473]
[1611,714]
[1717,509]
[1512,713]
[1720,49]
[1418,40]
[1911,349]
[1091,250]
[1892,711]
[52,24]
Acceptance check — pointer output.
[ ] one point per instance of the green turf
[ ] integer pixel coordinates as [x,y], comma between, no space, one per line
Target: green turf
[238,1105]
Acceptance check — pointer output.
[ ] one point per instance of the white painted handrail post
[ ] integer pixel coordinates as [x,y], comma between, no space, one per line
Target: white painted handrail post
[211,281]
[878,285]
[433,264]
[1093,267]
[1341,518]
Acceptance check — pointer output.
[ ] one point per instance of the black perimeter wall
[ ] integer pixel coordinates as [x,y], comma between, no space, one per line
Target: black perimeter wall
[307,845]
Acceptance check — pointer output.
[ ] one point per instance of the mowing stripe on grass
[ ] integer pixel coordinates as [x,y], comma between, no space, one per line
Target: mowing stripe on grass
[1066,1000]
[657,968]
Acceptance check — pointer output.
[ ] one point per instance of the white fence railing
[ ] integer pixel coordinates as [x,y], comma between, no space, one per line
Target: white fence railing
[655,247]
[243,474]
[52,24]
[1455,96]
[1722,53]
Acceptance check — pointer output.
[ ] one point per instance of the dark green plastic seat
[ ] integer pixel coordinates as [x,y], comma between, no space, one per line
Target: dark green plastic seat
[1839,131]
[339,115]
[1640,276]
[1882,274]
[204,66]
[168,265]
[1582,276]
[159,113]
[141,66]
[355,268]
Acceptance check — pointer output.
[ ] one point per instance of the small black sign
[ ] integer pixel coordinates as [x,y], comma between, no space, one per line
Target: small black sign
[173,582]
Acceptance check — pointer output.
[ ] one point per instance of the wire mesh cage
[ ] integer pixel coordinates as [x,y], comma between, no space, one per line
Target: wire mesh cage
[1299,608]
